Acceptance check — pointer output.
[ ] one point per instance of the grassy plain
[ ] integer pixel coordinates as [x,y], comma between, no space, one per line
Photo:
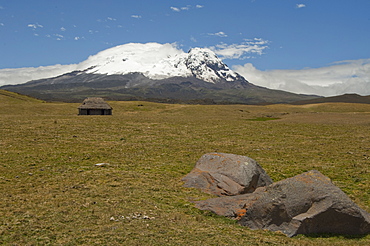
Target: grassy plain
[53,194]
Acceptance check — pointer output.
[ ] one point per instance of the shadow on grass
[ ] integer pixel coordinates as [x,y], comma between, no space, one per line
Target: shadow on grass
[331,235]
[263,119]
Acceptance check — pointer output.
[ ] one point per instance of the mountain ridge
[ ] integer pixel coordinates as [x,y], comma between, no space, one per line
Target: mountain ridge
[345,98]
[75,86]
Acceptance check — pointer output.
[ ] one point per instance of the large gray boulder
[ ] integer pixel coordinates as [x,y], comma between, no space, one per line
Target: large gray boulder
[226,175]
[304,204]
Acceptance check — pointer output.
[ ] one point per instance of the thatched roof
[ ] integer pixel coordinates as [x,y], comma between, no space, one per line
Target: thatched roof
[94,103]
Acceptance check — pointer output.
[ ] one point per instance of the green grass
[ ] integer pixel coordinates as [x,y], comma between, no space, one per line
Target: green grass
[53,194]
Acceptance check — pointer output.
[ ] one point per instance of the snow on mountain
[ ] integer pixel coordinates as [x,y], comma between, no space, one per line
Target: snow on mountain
[159,61]
[204,64]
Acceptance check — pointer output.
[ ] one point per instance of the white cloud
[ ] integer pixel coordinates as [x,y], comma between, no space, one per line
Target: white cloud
[242,50]
[35,26]
[300,5]
[2,24]
[219,34]
[136,16]
[22,75]
[63,29]
[186,8]
[59,36]
[351,76]
[175,9]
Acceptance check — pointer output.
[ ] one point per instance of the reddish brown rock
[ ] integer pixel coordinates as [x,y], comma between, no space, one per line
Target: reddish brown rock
[226,175]
[230,206]
[304,204]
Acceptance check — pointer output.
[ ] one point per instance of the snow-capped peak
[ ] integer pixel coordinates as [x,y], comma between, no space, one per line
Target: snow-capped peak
[205,65]
[159,61]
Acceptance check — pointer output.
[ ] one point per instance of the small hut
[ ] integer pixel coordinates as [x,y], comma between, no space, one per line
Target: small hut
[94,106]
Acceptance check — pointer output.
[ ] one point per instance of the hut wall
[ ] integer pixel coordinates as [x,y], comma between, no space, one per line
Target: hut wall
[82,112]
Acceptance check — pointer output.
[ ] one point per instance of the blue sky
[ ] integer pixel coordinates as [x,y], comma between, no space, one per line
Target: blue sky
[270,34]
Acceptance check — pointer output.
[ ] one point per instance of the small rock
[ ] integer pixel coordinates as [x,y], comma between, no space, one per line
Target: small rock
[102,164]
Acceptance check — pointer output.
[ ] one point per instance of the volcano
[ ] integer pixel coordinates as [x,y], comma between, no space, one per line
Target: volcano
[154,72]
